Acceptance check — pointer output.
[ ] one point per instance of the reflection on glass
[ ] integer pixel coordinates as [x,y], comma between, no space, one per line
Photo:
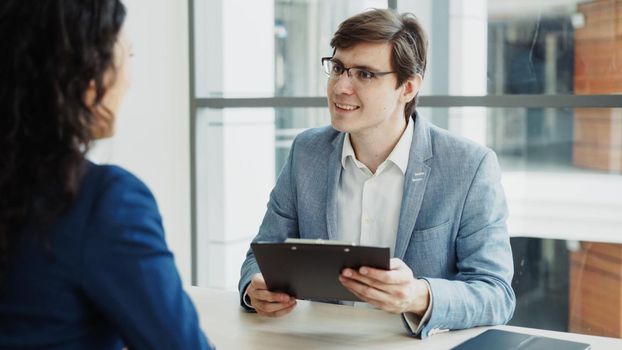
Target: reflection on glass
[567,285]
[541,282]
[477,47]
[531,47]
[523,47]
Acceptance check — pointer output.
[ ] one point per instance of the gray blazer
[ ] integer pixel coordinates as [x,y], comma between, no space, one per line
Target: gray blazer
[452,229]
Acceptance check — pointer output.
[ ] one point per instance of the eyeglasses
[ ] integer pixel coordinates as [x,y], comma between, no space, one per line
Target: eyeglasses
[359,76]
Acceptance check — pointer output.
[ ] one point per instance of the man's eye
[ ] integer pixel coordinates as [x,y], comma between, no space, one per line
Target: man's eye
[365,74]
[337,69]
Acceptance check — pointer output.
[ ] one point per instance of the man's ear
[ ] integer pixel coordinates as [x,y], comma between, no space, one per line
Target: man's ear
[410,88]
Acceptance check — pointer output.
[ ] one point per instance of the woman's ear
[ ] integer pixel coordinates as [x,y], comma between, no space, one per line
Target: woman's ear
[102,122]
[90,94]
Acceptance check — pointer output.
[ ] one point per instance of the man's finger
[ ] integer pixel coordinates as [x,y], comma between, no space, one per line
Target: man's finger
[365,290]
[354,275]
[266,295]
[284,311]
[376,277]
[268,309]
[366,299]
[258,281]
[271,308]
[396,263]
[379,299]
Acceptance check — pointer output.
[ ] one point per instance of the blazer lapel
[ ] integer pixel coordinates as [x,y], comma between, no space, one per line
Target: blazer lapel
[415,181]
[332,185]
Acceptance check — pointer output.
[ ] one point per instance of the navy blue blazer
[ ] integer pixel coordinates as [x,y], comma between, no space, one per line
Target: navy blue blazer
[102,278]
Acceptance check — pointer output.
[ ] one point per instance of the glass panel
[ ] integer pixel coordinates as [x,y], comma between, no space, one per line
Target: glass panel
[567,286]
[477,47]
[561,167]
[561,174]
[280,56]
[535,48]
[303,29]
[495,47]
[585,140]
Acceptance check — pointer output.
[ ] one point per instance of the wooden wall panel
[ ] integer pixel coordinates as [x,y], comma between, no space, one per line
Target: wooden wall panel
[598,70]
[596,290]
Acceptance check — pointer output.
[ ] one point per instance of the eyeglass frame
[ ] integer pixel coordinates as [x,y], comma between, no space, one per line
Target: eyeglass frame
[347,71]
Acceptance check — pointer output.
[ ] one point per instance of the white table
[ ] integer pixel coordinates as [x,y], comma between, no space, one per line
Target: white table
[326,326]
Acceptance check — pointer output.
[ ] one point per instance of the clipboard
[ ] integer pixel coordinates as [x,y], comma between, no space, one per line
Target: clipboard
[309,269]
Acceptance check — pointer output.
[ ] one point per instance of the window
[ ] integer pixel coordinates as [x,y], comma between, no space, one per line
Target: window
[538,82]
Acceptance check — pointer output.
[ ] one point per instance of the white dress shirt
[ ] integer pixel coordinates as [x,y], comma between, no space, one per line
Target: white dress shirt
[368,204]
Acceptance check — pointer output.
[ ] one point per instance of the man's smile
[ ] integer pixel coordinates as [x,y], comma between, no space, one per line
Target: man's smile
[346,107]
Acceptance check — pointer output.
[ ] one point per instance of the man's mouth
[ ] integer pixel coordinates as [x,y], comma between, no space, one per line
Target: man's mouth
[346,106]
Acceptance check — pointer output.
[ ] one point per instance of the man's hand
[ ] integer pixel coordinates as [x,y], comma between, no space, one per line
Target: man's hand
[395,290]
[268,303]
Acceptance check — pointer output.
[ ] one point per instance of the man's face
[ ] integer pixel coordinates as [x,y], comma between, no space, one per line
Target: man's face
[361,108]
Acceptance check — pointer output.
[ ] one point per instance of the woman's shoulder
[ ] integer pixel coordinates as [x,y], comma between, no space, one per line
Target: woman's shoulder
[112,187]
[105,173]
[111,177]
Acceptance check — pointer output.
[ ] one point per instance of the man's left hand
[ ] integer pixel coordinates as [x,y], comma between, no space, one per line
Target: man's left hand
[395,290]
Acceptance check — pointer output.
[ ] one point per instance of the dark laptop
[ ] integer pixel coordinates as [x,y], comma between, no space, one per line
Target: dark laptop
[496,339]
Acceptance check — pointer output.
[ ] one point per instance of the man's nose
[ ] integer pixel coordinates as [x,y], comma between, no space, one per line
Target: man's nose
[343,84]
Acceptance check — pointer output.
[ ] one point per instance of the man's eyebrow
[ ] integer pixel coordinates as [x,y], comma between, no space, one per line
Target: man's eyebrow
[336,60]
[371,69]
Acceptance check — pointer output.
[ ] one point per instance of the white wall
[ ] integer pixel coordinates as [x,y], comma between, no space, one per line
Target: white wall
[152,138]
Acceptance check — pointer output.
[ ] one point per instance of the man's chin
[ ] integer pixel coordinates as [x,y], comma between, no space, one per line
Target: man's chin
[336,127]
[340,124]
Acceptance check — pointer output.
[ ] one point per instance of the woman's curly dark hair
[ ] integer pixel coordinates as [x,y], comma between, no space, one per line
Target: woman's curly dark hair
[51,51]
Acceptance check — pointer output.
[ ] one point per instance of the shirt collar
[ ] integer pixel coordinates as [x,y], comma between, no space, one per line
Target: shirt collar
[401,152]
[399,156]
[347,151]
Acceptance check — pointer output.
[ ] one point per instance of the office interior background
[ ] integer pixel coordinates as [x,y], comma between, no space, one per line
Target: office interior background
[221,88]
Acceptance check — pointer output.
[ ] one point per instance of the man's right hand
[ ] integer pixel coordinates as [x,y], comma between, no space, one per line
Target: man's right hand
[268,303]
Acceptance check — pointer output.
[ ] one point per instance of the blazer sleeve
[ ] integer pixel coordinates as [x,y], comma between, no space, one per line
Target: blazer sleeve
[128,272]
[280,220]
[481,293]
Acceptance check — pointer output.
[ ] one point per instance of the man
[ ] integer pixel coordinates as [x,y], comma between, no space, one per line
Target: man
[383,176]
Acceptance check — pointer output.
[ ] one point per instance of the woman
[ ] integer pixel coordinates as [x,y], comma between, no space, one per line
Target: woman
[83,261]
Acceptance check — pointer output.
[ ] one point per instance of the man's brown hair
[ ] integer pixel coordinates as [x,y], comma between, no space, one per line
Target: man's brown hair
[404,33]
